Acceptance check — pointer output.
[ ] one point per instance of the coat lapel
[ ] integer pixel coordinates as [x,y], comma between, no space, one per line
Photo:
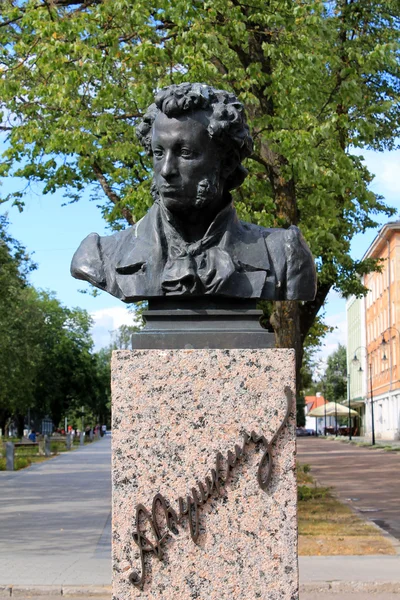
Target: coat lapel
[138,264]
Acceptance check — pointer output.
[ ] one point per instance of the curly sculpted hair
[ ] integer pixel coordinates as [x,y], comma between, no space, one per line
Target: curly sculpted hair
[227,122]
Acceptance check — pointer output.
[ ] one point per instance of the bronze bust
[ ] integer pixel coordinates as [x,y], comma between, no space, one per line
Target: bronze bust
[191,242]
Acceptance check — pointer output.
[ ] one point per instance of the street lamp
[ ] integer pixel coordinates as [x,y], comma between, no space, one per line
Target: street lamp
[348,397]
[356,361]
[324,392]
[384,342]
[340,375]
[336,419]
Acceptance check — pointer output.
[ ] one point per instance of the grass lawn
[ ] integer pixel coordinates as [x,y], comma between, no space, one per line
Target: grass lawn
[328,528]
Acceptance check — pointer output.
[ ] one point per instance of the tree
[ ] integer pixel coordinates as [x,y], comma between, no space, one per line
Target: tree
[319,80]
[122,337]
[18,318]
[66,370]
[46,360]
[335,378]
[102,405]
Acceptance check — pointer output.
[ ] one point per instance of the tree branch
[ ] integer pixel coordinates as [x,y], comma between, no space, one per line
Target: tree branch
[10,21]
[217,62]
[111,195]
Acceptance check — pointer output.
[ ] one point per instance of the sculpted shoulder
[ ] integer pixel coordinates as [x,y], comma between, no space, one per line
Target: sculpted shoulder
[95,259]
[291,260]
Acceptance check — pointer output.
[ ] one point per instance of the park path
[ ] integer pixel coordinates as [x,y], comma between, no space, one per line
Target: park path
[55,520]
[55,531]
[368,479]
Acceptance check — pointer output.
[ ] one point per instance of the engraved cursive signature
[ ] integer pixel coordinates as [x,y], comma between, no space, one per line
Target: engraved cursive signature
[197,497]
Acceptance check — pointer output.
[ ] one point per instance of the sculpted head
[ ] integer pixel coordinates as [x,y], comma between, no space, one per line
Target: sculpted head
[198,138]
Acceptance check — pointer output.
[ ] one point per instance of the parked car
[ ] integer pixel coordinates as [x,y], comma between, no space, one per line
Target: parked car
[302,431]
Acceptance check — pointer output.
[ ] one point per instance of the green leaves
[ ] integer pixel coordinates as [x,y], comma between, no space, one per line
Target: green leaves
[318,80]
[46,359]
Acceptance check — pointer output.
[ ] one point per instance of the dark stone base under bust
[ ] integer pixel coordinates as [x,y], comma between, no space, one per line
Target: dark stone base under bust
[201,323]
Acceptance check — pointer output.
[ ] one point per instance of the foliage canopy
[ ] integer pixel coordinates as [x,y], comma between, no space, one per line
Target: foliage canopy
[47,365]
[320,81]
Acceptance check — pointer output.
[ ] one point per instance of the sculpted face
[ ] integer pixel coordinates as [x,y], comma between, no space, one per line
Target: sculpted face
[187,164]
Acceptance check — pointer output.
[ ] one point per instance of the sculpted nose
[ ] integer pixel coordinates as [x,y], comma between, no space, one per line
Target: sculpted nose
[169,167]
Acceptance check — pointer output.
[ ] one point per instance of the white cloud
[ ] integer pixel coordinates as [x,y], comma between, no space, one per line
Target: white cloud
[107,320]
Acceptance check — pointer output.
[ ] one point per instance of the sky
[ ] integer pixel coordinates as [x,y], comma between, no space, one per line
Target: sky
[52,232]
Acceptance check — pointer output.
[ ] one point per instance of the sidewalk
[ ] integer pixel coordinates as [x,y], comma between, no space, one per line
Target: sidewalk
[56,538]
[55,520]
[340,577]
[378,443]
[343,574]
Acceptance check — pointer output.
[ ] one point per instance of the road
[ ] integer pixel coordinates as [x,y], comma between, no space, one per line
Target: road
[368,479]
[55,520]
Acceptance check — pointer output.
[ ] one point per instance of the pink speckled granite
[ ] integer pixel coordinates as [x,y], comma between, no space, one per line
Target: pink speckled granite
[173,410]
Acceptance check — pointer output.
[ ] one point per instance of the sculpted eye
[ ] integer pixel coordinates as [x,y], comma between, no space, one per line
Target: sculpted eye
[187,153]
[158,153]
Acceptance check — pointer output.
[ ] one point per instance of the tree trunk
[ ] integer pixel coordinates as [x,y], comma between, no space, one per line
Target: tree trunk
[20,424]
[3,422]
[285,320]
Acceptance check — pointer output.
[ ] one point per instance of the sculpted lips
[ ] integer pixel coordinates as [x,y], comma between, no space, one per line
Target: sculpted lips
[169,189]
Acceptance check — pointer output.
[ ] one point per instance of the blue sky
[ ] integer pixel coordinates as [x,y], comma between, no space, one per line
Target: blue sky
[386,167]
[52,232]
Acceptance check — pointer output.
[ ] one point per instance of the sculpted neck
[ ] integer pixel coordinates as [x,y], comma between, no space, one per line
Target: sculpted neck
[193,224]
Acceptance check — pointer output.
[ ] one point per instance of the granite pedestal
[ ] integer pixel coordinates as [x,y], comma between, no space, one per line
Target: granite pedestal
[204,485]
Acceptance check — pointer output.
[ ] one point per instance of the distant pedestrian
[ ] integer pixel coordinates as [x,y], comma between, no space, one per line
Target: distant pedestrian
[32,436]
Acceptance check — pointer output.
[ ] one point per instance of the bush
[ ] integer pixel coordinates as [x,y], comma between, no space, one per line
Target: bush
[305,493]
[21,463]
[57,447]
[26,451]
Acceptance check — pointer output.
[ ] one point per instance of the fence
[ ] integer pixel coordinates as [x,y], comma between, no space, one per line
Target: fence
[15,455]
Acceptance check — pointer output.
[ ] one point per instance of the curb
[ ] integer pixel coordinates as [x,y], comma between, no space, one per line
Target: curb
[69,591]
[345,587]
[93,591]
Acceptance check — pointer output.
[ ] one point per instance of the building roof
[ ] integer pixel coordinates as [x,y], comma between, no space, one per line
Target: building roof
[314,402]
[381,237]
